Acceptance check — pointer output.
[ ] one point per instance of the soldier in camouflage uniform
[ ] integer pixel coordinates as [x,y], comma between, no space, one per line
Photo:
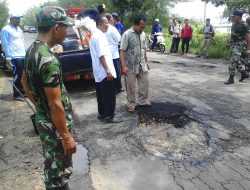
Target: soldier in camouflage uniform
[42,81]
[248,25]
[240,42]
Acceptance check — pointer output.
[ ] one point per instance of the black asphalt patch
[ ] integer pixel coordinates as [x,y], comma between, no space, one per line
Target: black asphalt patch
[163,112]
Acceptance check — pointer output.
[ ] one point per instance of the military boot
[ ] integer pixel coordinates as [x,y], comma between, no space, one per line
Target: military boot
[244,75]
[230,80]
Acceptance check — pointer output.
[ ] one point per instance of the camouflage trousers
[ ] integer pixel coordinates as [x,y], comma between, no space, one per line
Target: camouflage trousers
[236,58]
[58,167]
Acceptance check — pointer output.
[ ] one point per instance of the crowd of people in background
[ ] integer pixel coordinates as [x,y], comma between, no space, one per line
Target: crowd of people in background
[184,34]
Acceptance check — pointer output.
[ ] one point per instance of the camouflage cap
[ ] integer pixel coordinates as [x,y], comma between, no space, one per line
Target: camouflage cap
[50,15]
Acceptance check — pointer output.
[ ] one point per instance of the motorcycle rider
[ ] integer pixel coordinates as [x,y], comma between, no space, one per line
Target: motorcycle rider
[156,28]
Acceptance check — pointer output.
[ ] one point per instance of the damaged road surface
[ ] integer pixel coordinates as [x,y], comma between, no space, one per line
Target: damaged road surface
[195,136]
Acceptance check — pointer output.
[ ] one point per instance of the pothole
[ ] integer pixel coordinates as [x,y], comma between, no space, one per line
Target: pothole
[165,131]
[164,113]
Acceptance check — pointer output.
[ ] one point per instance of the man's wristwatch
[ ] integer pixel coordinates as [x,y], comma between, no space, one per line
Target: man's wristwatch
[108,71]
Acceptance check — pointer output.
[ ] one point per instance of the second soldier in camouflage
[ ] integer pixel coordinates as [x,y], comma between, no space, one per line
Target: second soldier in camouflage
[239,46]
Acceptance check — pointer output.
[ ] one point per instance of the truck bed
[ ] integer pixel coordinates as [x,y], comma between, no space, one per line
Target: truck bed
[75,62]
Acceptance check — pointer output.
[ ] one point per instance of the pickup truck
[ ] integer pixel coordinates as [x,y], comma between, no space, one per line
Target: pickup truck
[75,59]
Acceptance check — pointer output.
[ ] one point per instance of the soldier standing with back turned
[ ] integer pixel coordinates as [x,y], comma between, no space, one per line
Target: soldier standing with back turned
[240,39]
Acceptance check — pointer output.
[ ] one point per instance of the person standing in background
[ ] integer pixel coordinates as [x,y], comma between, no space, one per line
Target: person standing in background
[114,38]
[240,46]
[118,23]
[186,36]
[176,30]
[208,32]
[104,72]
[14,49]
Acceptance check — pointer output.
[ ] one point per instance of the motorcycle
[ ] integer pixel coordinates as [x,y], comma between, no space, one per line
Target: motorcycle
[160,44]
[2,57]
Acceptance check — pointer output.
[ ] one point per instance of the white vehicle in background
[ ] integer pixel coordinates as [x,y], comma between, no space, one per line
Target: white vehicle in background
[26,28]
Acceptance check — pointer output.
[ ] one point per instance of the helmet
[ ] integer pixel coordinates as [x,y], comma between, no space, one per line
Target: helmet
[115,15]
[101,8]
[157,20]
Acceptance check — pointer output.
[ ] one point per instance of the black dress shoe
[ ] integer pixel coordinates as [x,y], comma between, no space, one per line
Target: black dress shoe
[113,120]
[100,117]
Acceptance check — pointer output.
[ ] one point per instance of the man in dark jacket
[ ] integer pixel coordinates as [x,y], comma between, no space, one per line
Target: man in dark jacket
[118,23]
[186,36]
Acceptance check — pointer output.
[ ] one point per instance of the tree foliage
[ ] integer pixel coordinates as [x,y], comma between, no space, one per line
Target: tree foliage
[3,13]
[231,5]
[151,8]
[127,9]
[29,17]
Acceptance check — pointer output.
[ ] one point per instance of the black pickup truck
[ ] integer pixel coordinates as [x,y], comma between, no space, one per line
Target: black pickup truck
[75,60]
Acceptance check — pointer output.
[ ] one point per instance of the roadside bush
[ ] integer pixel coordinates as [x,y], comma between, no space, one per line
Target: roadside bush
[219,48]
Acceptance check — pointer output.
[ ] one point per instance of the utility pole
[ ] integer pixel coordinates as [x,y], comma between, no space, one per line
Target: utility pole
[205,11]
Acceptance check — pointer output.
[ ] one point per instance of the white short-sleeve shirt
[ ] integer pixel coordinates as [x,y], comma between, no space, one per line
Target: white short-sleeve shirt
[99,47]
[113,37]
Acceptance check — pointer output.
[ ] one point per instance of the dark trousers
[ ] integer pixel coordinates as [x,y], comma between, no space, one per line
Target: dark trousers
[154,42]
[118,83]
[175,45]
[106,98]
[18,71]
[185,42]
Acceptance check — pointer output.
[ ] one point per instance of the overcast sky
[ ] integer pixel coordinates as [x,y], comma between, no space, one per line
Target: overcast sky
[193,9]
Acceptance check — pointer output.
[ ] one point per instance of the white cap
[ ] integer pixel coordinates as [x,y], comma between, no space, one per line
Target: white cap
[157,20]
[15,14]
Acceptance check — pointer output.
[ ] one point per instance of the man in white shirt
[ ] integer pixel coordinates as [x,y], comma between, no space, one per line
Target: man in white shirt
[14,49]
[176,30]
[114,37]
[104,72]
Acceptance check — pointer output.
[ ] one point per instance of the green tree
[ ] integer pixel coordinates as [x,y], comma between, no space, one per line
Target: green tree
[231,5]
[151,8]
[3,13]
[127,9]
[29,17]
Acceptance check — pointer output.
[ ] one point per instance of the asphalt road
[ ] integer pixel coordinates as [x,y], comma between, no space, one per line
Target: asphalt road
[29,38]
[195,136]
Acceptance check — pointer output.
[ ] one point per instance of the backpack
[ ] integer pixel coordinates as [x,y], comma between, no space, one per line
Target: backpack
[211,29]
[169,30]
